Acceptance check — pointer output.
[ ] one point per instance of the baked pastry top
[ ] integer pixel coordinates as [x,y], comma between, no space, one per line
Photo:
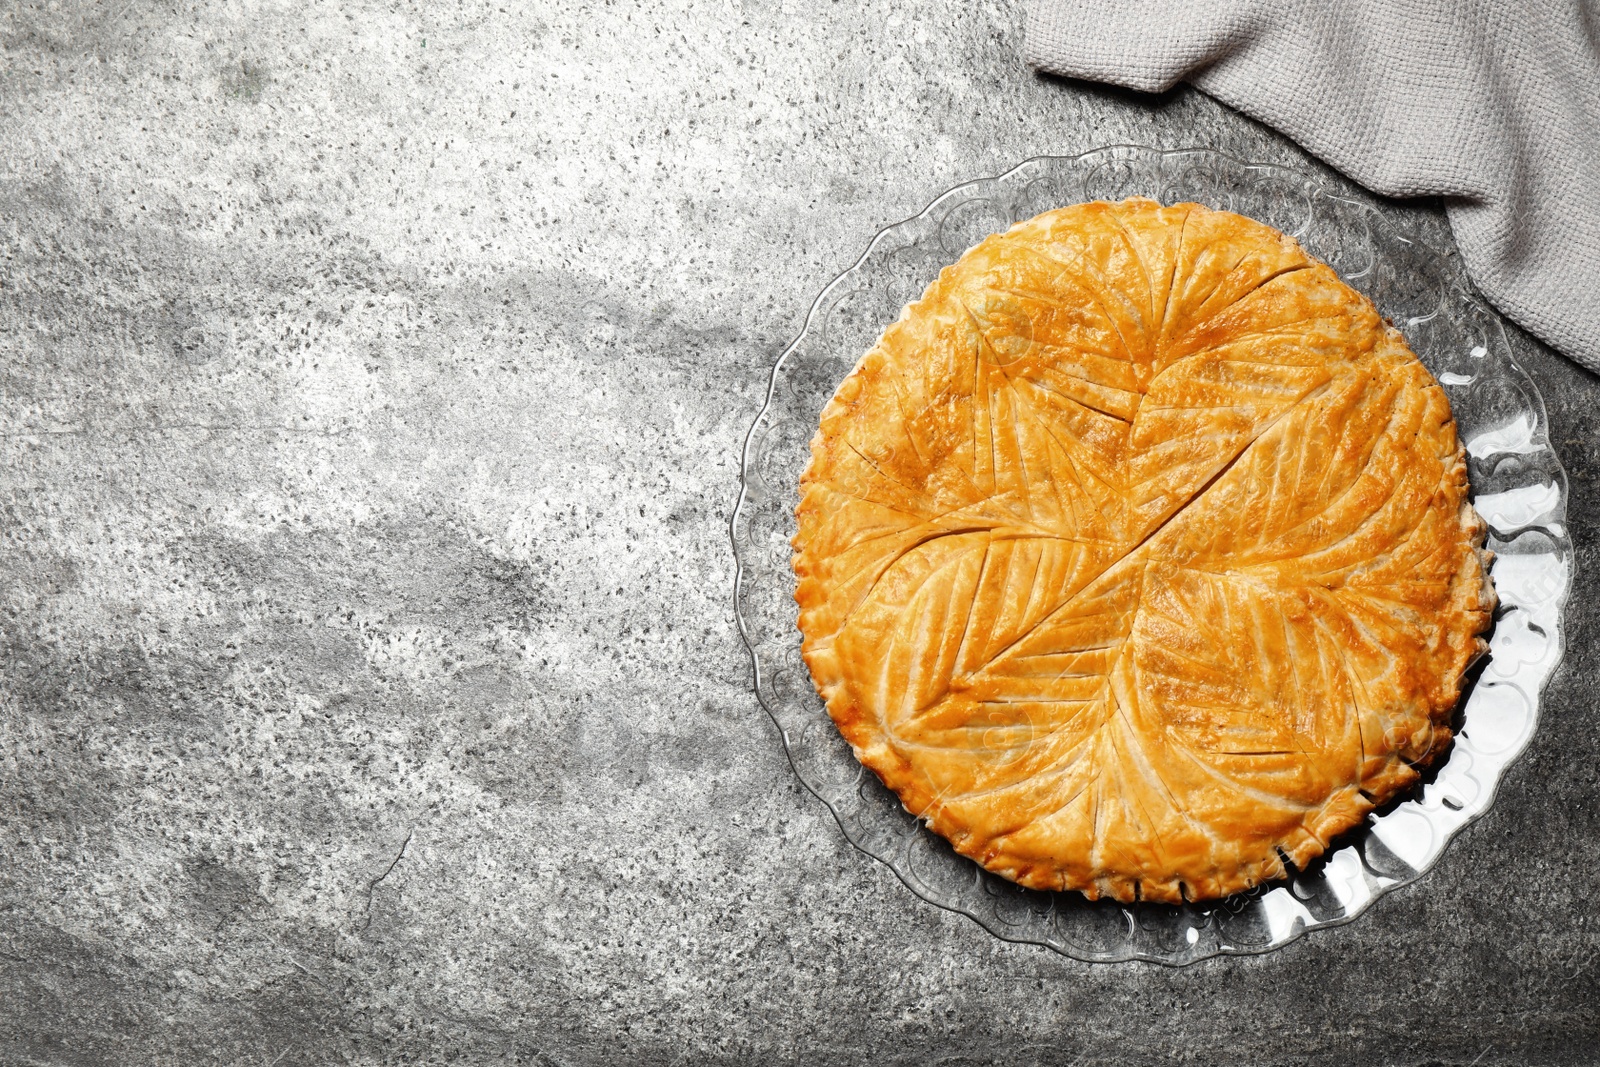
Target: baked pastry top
[1136,556]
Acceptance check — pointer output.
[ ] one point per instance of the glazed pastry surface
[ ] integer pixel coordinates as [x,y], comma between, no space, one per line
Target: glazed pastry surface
[1136,557]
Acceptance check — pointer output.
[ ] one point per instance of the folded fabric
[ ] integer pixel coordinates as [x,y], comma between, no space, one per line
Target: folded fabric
[1493,105]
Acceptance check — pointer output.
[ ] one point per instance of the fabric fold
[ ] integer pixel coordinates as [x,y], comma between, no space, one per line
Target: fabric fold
[1493,105]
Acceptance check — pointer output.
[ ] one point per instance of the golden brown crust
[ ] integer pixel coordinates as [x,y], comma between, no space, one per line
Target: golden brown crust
[1136,556]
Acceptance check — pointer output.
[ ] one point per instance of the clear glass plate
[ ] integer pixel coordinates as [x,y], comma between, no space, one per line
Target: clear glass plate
[1411,272]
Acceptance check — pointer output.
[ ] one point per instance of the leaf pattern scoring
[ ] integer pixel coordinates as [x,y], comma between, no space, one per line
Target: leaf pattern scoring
[1136,556]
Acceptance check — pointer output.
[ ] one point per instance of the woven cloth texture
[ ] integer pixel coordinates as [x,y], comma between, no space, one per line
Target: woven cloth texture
[1493,105]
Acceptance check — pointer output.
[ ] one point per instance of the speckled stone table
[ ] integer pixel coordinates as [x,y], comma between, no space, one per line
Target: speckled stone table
[374,378]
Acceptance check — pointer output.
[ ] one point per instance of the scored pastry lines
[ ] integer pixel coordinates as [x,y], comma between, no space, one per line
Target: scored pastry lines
[1016,671]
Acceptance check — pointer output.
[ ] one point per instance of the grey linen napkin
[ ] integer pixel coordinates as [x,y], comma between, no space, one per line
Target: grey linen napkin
[1493,105]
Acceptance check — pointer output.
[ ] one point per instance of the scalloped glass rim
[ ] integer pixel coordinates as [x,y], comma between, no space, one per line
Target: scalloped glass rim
[1409,268]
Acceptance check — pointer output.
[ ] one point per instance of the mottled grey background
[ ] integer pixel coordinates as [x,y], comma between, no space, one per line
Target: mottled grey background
[373,382]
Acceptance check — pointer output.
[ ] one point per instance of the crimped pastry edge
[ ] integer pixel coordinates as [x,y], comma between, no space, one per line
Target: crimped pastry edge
[1473,598]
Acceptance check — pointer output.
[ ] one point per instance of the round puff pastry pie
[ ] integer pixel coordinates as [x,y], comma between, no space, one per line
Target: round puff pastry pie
[1136,556]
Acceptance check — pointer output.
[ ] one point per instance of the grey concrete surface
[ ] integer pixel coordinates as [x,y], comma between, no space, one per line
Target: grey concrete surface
[374,376]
